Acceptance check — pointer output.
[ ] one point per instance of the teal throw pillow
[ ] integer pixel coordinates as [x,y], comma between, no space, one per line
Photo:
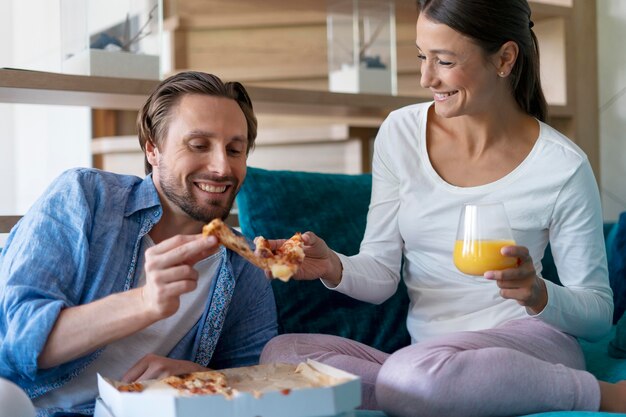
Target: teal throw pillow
[616,252]
[276,204]
[617,346]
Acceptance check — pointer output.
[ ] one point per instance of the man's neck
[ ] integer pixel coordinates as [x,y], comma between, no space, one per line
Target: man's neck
[172,224]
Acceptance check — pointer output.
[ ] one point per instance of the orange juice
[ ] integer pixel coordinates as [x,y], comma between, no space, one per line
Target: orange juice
[477,257]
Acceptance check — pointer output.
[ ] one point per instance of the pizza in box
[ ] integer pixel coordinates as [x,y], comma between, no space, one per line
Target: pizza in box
[257,380]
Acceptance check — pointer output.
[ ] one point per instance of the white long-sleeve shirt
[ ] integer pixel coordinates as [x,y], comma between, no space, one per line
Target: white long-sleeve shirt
[551,196]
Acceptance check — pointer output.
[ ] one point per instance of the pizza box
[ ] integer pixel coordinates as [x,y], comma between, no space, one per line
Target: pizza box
[337,392]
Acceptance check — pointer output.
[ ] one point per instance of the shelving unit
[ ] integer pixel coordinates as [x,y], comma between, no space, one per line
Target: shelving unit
[278,50]
[278,44]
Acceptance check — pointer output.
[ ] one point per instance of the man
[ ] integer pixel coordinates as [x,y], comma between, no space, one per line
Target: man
[109,273]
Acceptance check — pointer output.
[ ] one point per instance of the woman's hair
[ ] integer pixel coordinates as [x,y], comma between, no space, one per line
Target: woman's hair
[154,117]
[491,23]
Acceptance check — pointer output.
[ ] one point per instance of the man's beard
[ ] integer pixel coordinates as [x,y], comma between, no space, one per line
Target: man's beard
[185,199]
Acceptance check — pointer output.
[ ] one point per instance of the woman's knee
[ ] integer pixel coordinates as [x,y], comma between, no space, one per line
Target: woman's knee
[279,349]
[413,382]
[297,347]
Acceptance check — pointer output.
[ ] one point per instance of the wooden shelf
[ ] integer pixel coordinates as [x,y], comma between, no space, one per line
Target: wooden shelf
[35,87]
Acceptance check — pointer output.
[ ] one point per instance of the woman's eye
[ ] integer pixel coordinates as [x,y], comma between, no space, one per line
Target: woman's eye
[445,63]
[235,152]
[421,57]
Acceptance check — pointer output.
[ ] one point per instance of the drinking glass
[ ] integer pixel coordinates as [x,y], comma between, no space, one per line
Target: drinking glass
[483,231]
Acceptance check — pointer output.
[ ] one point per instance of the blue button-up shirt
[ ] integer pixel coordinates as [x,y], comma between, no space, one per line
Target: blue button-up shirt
[81,242]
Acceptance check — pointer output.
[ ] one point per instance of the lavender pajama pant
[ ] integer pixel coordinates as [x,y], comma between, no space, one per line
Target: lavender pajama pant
[522,367]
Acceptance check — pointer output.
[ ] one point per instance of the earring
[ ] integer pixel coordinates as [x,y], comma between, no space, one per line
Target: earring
[501,73]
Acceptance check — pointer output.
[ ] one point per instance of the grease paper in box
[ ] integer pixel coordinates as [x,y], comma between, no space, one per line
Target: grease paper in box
[336,392]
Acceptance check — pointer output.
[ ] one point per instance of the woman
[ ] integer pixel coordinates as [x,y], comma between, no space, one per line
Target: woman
[503,344]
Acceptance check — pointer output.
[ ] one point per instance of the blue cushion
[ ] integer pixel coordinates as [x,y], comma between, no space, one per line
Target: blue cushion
[616,252]
[599,363]
[575,414]
[617,347]
[276,204]
[369,413]
[616,249]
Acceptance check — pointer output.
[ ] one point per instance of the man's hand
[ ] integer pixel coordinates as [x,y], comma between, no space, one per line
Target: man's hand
[154,367]
[521,283]
[170,273]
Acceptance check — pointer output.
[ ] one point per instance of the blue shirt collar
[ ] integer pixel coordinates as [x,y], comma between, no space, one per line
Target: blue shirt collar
[145,197]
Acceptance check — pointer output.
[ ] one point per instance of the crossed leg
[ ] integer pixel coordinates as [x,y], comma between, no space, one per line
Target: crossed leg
[522,367]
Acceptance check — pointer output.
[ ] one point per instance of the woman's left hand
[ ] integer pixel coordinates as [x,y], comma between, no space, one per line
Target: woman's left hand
[521,283]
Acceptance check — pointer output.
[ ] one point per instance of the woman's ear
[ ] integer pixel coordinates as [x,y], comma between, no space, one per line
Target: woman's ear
[152,153]
[506,57]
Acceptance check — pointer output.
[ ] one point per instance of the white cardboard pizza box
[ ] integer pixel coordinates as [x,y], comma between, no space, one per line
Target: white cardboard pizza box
[306,402]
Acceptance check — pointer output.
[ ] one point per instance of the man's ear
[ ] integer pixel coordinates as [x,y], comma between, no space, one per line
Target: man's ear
[506,57]
[152,153]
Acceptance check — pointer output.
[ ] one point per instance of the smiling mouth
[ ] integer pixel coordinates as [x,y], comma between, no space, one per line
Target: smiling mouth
[443,96]
[219,189]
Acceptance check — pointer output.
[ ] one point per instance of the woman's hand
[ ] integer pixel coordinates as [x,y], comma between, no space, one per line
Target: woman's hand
[319,261]
[521,283]
[154,366]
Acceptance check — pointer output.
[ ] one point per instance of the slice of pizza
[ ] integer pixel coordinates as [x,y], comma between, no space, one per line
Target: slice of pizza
[283,263]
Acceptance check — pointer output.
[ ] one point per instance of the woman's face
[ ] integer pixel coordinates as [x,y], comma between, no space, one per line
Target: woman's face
[463,80]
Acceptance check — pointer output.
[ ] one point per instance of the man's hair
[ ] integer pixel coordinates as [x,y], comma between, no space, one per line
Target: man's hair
[154,117]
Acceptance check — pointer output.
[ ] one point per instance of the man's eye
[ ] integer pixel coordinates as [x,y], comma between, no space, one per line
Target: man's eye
[198,147]
[235,152]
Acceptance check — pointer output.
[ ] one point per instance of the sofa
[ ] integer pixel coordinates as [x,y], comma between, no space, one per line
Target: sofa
[275,204]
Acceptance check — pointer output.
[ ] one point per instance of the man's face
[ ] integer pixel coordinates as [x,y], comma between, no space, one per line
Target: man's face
[201,164]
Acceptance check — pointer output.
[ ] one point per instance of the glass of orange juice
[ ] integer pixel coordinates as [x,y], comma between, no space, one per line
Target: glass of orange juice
[483,231]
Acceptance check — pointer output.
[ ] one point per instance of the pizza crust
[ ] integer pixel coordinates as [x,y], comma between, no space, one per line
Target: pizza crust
[233,242]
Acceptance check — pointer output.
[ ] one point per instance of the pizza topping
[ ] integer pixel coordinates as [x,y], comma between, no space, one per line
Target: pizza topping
[198,383]
[283,263]
[132,387]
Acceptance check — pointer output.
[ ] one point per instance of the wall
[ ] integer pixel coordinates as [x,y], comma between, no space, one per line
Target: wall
[612,99]
[38,142]
[7,157]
